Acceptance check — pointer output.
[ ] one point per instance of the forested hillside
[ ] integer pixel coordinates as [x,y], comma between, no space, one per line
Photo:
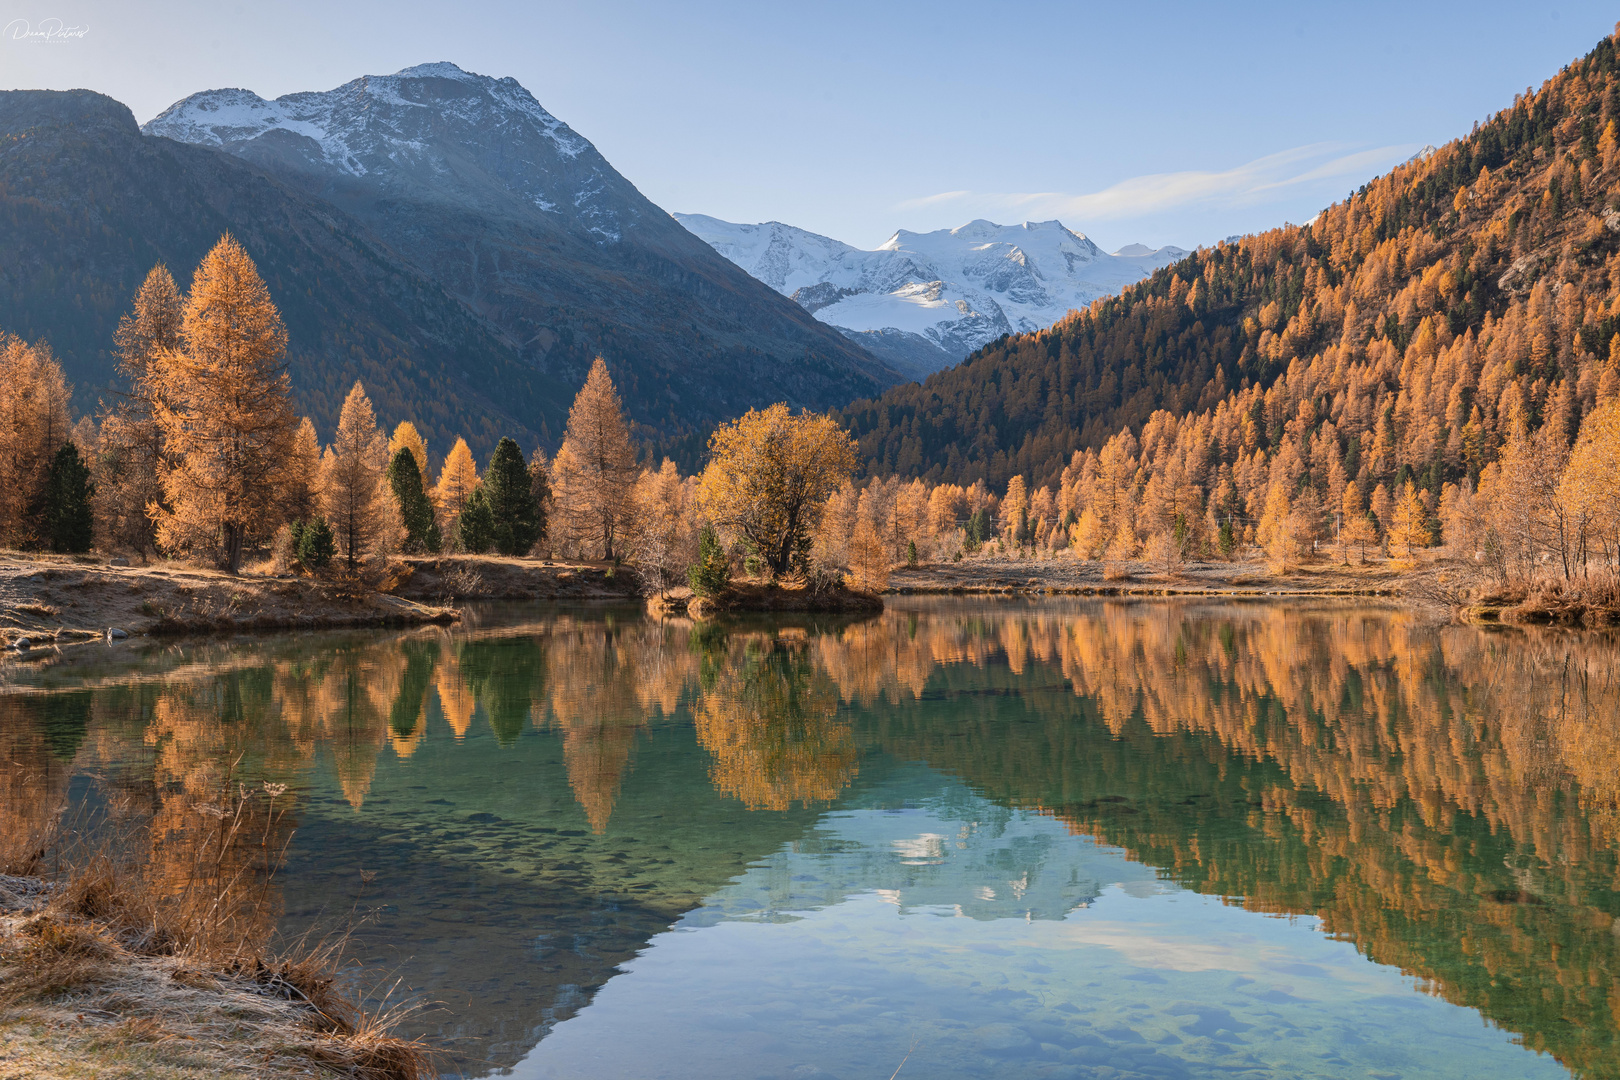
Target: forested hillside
[1404,333]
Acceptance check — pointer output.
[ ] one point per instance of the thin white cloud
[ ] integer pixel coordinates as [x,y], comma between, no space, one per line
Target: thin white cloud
[1158,193]
[933,200]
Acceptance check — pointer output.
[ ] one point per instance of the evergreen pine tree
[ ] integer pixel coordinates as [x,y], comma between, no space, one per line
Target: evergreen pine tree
[69,522]
[509,493]
[712,572]
[415,511]
[475,529]
[315,544]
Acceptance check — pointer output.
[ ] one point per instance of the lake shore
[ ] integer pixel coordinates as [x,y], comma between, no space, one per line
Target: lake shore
[1069,576]
[748,597]
[91,985]
[50,601]
[502,577]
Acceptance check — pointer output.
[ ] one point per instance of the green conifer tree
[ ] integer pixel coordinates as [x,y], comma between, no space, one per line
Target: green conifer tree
[712,572]
[415,511]
[509,495]
[475,529]
[69,522]
[315,544]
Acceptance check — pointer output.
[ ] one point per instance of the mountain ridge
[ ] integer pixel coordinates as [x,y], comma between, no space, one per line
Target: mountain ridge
[928,300]
[88,205]
[1413,332]
[471,181]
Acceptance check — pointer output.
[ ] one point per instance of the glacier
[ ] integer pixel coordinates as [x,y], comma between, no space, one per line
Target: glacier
[925,301]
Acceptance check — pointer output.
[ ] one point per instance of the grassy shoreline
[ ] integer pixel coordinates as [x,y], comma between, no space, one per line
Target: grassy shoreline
[117,961]
[57,601]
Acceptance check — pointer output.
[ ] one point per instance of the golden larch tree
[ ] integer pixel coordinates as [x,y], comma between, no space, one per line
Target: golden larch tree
[301,486]
[131,450]
[1409,527]
[868,560]
[223,402]
[665,536]
[456,481]
[594,474]
[354,488]
[768,479]
[34,423]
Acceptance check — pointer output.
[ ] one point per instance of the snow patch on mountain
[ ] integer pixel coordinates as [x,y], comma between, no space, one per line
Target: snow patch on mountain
[927,300]
[432,126]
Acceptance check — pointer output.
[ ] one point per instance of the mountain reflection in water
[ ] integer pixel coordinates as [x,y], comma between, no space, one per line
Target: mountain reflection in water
[555,809]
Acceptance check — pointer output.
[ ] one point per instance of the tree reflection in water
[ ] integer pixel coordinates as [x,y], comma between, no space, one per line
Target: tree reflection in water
[1443,797]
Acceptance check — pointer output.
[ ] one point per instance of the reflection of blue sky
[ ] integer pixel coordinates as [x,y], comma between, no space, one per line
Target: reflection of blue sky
[838,953]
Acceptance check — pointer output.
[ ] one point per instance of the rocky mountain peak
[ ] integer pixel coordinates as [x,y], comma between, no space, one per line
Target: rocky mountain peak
[21,110]
[433,132]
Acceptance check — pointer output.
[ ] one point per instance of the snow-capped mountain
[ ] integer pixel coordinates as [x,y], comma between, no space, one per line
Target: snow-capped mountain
[520,218]
[924,301]
[432,129]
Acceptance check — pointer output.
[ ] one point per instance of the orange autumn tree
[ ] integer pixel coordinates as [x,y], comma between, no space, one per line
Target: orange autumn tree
[594,475]
[224,406]
[34,423]
[131,450]
[457,479]
[354,491]
[769,477]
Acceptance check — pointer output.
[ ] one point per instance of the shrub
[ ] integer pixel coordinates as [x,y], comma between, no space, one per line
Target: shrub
[712,572]
[315,545]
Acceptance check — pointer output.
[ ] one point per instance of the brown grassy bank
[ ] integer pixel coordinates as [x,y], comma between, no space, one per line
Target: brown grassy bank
[60,599]
[434,578]
[1067,575]
[1585,600]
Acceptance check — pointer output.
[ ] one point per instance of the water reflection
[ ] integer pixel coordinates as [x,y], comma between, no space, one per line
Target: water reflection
[539,798]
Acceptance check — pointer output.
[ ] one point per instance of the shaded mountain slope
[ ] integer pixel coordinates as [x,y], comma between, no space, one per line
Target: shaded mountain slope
[88,205]
[470,180]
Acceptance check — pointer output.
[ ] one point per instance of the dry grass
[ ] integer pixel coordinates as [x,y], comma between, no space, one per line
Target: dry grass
[1591,599]
[111,967]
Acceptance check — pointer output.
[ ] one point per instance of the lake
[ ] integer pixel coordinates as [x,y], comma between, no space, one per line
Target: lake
[983,837]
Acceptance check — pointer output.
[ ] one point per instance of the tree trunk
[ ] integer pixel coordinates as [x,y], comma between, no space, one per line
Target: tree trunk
[233,547]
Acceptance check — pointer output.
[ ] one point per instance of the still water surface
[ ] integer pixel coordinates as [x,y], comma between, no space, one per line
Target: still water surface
[1010,839]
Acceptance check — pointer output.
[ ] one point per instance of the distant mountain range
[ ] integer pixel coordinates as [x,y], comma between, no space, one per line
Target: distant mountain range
[925,301]
[436,233]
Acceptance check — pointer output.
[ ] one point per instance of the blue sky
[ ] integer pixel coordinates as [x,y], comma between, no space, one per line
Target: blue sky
[1158,123]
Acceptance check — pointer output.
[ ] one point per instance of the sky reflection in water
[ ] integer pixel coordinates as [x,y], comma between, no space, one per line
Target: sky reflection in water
[1014,839]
